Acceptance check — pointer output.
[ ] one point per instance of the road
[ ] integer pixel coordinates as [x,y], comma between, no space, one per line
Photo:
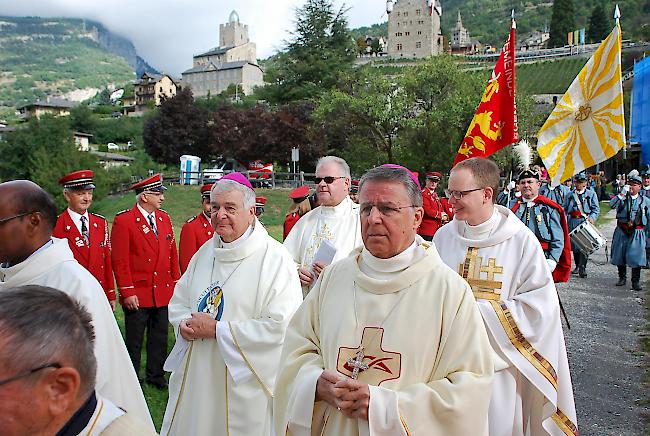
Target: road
[607,364]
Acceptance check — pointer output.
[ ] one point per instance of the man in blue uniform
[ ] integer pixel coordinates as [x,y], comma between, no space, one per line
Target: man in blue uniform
[545,218]
[629,243]
[580,205]
[509,196]
[558,194]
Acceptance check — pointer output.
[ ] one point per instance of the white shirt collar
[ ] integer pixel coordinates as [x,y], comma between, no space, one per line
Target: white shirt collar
[237,242]
[77,217]
[531,201]
[581,192]
[146,214]
[378,268]
[339,209]
[483,230]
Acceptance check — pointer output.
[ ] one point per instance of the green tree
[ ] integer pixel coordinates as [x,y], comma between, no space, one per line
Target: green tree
[562,22]
[599,25]
[43,152]
[318,56]
[82,119]
[361,45]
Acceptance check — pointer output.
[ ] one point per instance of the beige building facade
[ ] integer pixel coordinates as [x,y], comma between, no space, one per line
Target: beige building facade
[154,87]
[234,62]
[414,28]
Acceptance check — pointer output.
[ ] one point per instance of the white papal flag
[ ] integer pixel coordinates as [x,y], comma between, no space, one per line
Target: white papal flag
[587,126]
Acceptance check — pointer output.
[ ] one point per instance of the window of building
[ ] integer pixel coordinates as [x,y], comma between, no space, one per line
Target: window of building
[398,14]
[418,12]
[419,32]
[418,44]
[407,33]
[406,14]
[399,47]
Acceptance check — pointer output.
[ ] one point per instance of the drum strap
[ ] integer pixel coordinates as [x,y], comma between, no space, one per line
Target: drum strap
[579,203]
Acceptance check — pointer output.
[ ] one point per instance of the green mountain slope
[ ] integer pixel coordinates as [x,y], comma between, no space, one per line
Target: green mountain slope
[44,56]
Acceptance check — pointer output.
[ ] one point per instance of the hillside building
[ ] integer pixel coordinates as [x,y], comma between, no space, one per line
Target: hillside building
[461,42]
[153,88]
[414,28]
[51,105]
[234,62]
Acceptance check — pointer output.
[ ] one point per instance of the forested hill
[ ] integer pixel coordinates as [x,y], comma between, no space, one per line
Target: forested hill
[56,56]
[487,20]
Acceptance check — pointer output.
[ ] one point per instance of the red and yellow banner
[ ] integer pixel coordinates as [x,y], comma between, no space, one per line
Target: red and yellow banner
[495,123]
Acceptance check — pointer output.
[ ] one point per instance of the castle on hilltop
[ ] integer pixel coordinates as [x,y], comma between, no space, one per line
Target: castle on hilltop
[233,62]
[414,28]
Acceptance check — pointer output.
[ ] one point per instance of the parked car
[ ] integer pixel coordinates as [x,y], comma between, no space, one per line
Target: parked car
[113,146]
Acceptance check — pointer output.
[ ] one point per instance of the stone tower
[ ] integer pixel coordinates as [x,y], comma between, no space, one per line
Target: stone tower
[233,33]
[459,34]
[414,28]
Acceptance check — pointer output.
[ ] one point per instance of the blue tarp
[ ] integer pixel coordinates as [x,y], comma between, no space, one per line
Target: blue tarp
[640,129]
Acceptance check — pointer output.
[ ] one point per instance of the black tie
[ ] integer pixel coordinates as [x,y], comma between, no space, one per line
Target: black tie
[84,231]
[153,226]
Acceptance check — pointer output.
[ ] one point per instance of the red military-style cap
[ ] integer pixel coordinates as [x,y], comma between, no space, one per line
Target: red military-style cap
[435,175]
[260,201]
[354,186]
[205,190]
[299,193]
[82,179]
[151,184]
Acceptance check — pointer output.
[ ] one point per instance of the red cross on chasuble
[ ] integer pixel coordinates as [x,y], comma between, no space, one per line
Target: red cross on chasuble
[378,365]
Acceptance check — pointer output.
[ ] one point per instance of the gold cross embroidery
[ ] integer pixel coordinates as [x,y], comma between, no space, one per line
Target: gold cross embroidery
[323,233]
[471,270]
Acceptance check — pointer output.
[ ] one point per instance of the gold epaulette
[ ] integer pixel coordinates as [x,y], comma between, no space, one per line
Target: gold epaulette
[192,219]
[122,211]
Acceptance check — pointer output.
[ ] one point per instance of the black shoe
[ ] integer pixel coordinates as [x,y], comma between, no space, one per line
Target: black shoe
[582,272]
[637,286]
[575,271]
[158,384]
[621,281]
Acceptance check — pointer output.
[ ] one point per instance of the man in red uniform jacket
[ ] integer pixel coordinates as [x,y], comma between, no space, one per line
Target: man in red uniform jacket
[435,214]
[87,233]
[145,262]
[196,231]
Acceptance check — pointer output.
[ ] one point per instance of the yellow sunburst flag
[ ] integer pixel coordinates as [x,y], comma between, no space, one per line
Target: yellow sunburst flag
[587,126]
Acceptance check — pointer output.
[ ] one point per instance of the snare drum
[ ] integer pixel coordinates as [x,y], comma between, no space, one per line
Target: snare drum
[587,238]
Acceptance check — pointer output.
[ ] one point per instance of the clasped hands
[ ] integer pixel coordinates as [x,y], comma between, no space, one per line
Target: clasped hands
[306,276]
[199,326]
[351,397]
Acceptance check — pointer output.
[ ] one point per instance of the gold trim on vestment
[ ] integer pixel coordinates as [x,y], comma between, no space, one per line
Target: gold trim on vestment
[96,419]
[565,423]
[266,389]
[486,295]
[522,344]
[180,393]
[406,427]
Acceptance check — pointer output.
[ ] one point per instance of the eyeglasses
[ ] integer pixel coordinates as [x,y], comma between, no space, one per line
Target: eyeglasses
[329,179]
[29,372]
[457,195]
[9,218]
[384,209]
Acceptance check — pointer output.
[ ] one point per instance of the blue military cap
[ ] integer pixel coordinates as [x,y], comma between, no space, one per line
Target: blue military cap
[645,171]
[580,177]
[634,179]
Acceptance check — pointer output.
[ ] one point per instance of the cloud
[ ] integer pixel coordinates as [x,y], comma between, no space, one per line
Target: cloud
[167,33]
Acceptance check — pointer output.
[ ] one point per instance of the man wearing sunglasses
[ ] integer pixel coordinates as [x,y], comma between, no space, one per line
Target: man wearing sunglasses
[30,256]
[48,369]
[336,220]
[505,266]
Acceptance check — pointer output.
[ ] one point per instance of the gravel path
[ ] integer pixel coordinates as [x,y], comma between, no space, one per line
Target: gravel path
[607,364]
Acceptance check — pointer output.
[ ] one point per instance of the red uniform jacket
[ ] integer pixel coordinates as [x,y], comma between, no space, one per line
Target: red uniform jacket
[195,232]
[433,210]
[96,258]
[144,265]
[289,222]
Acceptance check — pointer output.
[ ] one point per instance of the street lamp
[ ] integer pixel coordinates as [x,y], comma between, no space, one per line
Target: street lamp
[237,85]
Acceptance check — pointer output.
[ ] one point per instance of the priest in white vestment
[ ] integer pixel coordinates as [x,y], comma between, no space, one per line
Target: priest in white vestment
[232,304]
[502,261]
[336,220]
[389,341]
[29,256]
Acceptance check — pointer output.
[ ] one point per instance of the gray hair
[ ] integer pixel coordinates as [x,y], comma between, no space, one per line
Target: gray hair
[42,326]
[227,185]
[343,165]
[395,175]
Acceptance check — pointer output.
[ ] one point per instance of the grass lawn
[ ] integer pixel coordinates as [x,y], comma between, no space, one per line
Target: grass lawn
[183,202]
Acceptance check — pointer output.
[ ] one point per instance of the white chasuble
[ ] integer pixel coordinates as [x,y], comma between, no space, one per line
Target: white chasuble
[252,290]
[416,338]
[56,267]
[515,293]
[338,224]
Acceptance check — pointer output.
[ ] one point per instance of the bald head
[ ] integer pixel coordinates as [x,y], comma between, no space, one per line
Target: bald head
[27,216]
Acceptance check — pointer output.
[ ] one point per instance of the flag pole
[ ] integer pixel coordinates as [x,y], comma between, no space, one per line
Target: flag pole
[617,14]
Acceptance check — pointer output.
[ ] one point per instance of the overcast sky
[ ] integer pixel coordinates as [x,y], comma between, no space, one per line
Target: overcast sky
[166,33]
